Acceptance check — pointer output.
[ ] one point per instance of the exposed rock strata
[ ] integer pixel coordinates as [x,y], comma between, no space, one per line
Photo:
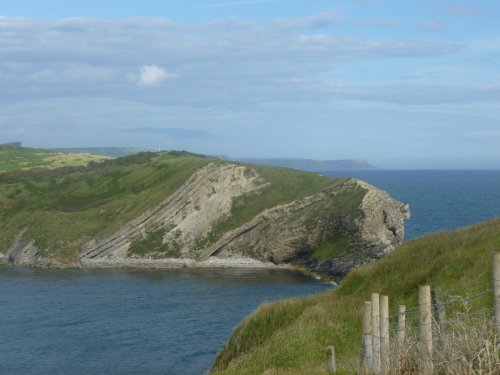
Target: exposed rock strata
[291,233]
[187,215]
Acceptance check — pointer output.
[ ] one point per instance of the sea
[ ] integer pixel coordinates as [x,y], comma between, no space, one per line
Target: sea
[439,200]
[169,322]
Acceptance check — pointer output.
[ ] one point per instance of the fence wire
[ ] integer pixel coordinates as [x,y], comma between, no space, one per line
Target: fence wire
[463,339]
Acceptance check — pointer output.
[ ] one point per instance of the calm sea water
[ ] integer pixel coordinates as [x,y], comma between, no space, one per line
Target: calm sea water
[174,322]
[439,200]
[72,322]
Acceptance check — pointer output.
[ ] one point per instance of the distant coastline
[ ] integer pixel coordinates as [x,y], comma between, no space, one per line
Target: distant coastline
[312,165]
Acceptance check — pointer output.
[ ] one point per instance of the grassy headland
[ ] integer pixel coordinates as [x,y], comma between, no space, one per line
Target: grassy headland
[63,208]
[290,336]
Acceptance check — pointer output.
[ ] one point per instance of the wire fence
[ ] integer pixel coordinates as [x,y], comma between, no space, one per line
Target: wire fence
[452,332]
[460,338]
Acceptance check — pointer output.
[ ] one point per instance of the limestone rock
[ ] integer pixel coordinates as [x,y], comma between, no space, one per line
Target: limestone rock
[187,215]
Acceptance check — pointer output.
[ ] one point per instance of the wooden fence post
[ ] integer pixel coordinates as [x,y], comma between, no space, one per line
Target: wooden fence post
[367,365]
[376,332]
[331,363]
[401,337]
[440,310]
[496,290]
[385,354]
[425,316]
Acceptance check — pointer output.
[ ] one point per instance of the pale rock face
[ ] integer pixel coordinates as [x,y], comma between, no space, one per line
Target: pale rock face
[383,224]
[23,253]
[189,214]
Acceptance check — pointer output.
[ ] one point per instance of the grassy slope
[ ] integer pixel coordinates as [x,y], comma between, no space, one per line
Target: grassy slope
[63,208]
[12,159]
[290,336]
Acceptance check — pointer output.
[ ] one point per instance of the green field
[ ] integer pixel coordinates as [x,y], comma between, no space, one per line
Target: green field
[290,336]
[12,159]
[63,208]
[116,152]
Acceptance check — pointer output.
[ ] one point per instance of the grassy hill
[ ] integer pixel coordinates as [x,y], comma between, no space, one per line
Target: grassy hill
[63,208]
[290,336]
[16,158]
[116,152]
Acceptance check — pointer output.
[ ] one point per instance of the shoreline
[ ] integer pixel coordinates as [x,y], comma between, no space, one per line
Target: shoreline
[165,264]
[137,263]
[177,263]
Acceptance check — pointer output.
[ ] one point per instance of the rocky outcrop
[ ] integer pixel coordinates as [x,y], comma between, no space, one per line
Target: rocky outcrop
[26,253]
[383,223]
[21,252]
[291,233]
[379,231]
[285,234]
[330,232]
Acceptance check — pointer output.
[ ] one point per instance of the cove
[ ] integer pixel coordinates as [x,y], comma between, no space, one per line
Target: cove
[129,321]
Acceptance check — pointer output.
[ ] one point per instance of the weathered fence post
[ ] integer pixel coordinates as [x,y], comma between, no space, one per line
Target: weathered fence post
[496,290]
[376,332]
[331,363]
[385,354]
[367,365]
[440,310]
[401,337]
[425,316]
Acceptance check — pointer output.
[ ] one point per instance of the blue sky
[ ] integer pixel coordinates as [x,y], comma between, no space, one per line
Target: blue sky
[403,84]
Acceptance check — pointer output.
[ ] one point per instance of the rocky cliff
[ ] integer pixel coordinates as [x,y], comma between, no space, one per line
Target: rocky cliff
[332,231]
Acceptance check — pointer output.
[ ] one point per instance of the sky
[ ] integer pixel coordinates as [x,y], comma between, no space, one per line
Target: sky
[401,83]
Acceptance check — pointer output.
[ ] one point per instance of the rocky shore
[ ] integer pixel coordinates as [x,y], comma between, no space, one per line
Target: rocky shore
[175,263]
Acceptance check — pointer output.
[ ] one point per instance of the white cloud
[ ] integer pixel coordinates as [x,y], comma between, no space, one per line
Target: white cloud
[152,75]
[226,63]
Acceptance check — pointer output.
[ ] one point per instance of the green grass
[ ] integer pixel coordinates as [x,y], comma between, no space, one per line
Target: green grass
[12,159]
[289,337]
[116,152]
[333,248]
[153,243]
